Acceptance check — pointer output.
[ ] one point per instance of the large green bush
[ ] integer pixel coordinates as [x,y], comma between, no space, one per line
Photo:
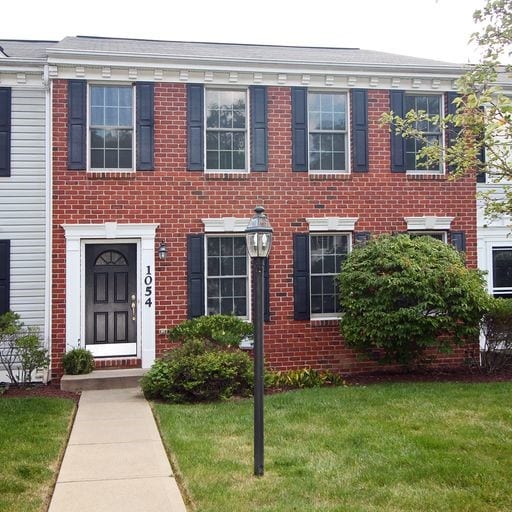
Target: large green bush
[400,295]
[197,372]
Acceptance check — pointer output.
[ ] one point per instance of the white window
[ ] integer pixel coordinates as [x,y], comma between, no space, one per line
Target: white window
[111,127]
[438,235]
[226,130]
[432,105]
[327,252]
[502,272]
[327,124]
[227,276]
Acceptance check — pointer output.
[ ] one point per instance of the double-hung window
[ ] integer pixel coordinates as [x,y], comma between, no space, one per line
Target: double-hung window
[111,127]
[502,272]
[227,276]
[327,126]
[327,252]
[431,105]
[226,130]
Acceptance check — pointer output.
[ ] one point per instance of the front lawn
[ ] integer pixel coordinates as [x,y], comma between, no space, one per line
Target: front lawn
[33,433]
[386,448]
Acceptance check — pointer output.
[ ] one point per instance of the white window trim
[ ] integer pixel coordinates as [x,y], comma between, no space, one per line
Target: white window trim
[348,134]
[247,130]
[225,225]
[247,317]
[329,224]
[428,223]
[319,317]
[442,167]
[134,128]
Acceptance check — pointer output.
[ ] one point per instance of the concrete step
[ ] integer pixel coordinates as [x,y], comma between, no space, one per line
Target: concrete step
[103,379]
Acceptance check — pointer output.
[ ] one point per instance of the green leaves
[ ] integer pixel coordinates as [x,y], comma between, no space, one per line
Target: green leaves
[400,295]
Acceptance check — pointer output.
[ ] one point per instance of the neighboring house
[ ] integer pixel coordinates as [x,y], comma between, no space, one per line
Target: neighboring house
[24,183]
[164,142]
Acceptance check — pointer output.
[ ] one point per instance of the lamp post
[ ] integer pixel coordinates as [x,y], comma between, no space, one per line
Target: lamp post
[259,239]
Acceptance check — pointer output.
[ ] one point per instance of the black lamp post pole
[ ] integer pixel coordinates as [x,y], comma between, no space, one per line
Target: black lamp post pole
[259,386]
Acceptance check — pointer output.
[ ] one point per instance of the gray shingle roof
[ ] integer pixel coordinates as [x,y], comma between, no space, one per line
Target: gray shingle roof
[26,50]
[261,53]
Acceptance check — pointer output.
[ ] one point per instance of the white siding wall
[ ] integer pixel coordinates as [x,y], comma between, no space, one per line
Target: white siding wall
[22,205]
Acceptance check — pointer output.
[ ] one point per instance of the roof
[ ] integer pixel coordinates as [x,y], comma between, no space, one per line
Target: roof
[25,50]
[246,52]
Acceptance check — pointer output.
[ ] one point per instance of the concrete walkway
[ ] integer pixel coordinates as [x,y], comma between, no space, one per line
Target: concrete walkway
[115,459]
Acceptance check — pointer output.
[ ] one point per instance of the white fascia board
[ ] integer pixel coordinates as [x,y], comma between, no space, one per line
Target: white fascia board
[332,223]
[428,223]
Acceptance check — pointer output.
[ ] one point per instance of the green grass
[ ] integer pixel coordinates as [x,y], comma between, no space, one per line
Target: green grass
[387,448]
[33,432]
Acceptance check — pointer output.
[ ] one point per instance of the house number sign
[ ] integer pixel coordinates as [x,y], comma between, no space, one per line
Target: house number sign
[148,283]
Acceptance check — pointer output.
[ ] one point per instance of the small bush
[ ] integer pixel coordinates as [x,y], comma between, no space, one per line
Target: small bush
[222,330]
[198,372]
[78,361]
[497,330]
[303,378]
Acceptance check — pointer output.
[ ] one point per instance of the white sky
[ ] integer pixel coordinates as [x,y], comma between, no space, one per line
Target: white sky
[436,29]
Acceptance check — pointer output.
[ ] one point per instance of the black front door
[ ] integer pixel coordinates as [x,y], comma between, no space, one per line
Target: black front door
[111,299]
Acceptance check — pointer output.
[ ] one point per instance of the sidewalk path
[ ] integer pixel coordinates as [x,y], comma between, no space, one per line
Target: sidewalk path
[115,459]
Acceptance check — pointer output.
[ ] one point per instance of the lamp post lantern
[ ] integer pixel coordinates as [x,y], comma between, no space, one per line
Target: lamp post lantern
[259,240]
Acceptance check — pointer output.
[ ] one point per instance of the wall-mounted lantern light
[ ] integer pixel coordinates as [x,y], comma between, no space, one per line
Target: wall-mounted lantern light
[162,250]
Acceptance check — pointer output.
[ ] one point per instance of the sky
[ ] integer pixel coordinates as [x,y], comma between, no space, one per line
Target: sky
[435,29]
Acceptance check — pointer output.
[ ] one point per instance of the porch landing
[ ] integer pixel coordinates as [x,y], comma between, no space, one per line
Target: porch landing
[103,379]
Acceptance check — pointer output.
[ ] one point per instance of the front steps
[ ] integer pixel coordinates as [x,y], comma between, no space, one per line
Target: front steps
[103,379]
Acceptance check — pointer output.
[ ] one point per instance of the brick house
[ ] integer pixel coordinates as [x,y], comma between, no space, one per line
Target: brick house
[175,143]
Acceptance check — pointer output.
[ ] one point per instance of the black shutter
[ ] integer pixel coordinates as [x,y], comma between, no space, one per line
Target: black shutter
[145,126]
[300,129]
[5,259]
[301,277]
[361,238]
[360,129]
[259,130]
[195,126]
[396,99]
[77,124]
[266,289]
[458,240]
[5,131]
[452,131]
[195,275]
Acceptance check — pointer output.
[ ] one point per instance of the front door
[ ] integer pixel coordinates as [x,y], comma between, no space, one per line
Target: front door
[111,299]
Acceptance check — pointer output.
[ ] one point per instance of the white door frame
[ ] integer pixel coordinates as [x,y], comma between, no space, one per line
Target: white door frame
[144,236]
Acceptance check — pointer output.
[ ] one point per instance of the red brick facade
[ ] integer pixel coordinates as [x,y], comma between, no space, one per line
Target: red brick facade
[177,199]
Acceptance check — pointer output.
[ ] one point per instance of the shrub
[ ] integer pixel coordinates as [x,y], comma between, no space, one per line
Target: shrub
[222,330]
[400,295]
[497,331]
[303,378]
[198,371]
[78,361]
[21,349]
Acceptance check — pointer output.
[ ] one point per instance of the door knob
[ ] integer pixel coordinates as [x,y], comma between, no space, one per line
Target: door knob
[134,305]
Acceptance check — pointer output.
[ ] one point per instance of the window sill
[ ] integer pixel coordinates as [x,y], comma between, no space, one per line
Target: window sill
[324,322]
[419,176]
[318,176]
[227,176]
[111,175]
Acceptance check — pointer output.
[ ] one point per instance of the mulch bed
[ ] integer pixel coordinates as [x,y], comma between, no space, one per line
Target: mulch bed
[38,390]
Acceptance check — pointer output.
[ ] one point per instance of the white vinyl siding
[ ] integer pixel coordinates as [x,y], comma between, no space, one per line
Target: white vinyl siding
[22,205]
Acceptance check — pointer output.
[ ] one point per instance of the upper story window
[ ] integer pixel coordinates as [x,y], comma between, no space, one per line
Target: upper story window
[327,125]
[327,252]
[226,130]
[111,125]
[432,106]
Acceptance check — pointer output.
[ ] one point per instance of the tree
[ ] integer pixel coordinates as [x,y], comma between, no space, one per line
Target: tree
[482,122]
[401,295]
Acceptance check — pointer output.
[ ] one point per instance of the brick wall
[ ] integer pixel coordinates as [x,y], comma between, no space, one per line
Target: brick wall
[177,199]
